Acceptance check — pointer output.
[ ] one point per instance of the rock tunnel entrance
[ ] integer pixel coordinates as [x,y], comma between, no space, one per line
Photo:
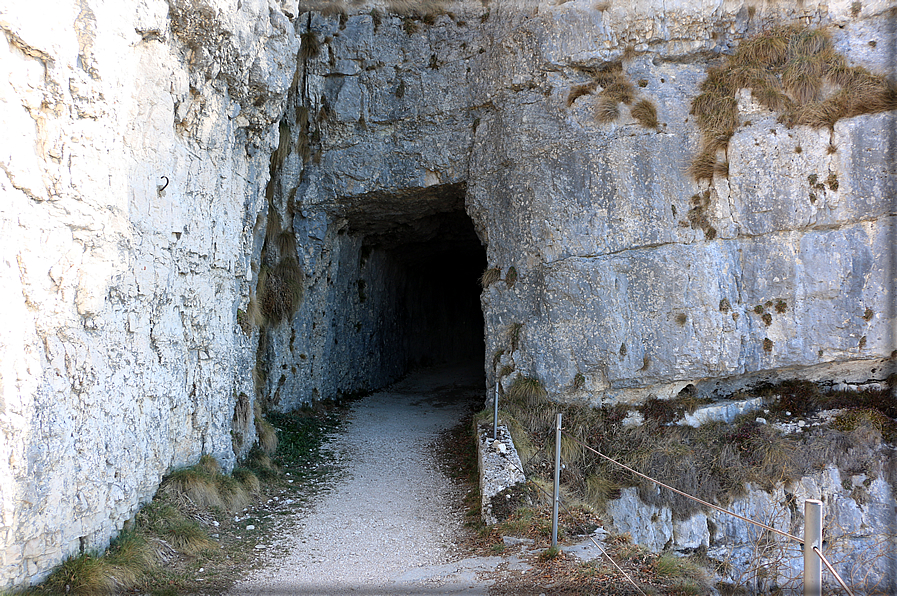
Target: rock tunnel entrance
[432,259]
[394,287]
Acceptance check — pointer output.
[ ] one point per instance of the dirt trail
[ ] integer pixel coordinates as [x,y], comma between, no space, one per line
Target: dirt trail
[388,524]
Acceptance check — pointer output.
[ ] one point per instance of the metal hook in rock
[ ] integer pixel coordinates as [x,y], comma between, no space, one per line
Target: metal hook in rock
[164,186]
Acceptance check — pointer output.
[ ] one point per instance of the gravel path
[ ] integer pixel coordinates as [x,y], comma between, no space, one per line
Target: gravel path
[388,524]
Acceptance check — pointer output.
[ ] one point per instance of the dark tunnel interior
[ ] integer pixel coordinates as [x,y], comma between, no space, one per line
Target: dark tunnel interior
[443,293]
[435,260]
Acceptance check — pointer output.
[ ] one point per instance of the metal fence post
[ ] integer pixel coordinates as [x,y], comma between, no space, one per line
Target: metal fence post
[495,412]
[812,537]
[557,484]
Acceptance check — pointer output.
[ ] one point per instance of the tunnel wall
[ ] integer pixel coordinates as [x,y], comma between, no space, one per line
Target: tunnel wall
[368,315]
[350,333]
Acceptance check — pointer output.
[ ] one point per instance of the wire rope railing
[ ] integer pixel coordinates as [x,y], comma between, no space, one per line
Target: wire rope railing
[567,509]
[812,525]
[811,542]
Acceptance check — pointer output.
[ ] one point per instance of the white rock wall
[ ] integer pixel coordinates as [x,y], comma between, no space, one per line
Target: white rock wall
[619,297]
[120,357]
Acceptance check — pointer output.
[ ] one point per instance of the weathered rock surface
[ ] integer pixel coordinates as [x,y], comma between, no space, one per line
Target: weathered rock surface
[614,283]
[121,356]
[858,514]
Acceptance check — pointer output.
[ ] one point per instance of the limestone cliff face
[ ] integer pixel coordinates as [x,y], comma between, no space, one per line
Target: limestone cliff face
[628,279]
[616,283]
[158,156]
[134,158]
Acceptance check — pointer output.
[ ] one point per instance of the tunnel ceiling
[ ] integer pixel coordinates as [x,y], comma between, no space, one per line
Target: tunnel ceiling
[423,222]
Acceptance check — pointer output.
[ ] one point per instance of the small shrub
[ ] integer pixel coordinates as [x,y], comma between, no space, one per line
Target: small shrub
[514,335]
[867,418]
[832,181]
[511,277]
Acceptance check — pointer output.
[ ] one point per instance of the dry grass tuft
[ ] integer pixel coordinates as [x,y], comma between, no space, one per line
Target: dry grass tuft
[208,465]
[84,575]
[309,46]
[280,289]
[527,390]
[703,166]
[194,484]
[423,9]
[490,276]
[171,525]
[646,113]
[580,90]
[248,479]
[620,89]
[607,110]
[770,48]
[802,79]
[283,146]
[792,71]
[205,487]
[286,243]
[267,435]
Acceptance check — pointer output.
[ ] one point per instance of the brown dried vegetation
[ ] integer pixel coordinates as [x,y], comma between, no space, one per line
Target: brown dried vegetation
[793,71]
[645,112]
[714,461]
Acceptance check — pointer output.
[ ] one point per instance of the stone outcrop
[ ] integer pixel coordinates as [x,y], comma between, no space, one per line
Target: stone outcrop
[616,282]
[159,157]
[858,521]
